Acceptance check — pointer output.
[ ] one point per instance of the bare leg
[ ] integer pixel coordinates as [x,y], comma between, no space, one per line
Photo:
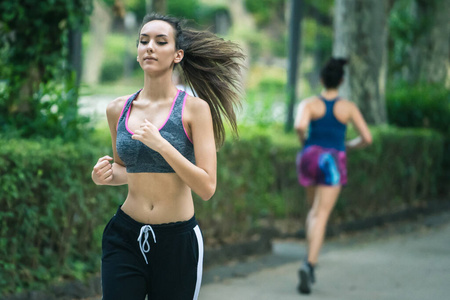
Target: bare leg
[324,200]
[310,194]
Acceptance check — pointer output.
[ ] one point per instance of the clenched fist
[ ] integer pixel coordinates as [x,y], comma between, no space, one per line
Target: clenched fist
[149,135]
[103,173]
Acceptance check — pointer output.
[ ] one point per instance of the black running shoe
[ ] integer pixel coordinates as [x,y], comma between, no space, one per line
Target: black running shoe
[304,275]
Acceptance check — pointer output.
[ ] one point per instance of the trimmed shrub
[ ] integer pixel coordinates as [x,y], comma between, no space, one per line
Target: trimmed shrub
[422,106]
[257,179]
[52,215]
[419,106]
[402,168]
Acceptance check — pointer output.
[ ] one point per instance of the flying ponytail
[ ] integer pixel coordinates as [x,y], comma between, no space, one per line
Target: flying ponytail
[212,68]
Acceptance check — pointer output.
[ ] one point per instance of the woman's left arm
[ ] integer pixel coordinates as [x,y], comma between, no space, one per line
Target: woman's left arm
[200,177]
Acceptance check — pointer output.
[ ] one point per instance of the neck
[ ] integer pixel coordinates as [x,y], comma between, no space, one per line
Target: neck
[158,87]
[330,93]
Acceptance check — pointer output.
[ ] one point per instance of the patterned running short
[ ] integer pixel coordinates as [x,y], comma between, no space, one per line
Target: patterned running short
[321,166]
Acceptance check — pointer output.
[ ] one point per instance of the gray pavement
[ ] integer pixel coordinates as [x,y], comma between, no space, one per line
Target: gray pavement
[401,261]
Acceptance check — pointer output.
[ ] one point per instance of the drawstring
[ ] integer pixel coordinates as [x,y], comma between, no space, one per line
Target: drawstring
[145,245]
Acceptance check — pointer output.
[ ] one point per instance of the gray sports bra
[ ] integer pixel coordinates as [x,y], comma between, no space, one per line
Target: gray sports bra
[139,158]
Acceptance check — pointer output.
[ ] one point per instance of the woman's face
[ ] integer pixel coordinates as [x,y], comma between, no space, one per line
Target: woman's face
[156,48]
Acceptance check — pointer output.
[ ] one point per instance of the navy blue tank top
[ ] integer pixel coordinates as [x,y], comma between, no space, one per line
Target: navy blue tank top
[327,132]
[138,157]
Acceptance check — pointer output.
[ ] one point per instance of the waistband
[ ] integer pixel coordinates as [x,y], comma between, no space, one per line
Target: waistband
[317,148]
[166,228]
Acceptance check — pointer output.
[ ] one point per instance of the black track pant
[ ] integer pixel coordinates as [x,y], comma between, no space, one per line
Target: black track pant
[162,261]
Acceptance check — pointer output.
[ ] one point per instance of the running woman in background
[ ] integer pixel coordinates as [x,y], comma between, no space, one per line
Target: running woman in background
[321,124]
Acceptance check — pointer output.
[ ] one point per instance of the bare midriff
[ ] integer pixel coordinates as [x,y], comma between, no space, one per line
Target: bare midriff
[158,198]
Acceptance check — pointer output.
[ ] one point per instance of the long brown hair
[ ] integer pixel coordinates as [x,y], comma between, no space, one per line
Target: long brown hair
[212,68]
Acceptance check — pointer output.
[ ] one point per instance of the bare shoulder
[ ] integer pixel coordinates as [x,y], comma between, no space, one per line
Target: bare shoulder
[115,107]
[307,104]
[346,101]
[196,106]
[309,100]
[349,105]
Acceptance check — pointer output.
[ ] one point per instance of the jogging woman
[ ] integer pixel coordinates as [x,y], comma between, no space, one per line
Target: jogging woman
[321,124]
[164,147]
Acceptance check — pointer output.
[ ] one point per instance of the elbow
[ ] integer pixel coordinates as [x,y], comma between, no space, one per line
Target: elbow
[208,192]
[368,140]
[300,132]
[207,197]
[300,128]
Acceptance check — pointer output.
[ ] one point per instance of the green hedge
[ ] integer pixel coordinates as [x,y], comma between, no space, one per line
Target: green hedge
[400,169]
[422,105]
[419,106]
[52,215]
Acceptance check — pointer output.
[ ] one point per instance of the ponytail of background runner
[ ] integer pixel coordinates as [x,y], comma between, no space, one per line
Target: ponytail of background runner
[333,72]
[212,68]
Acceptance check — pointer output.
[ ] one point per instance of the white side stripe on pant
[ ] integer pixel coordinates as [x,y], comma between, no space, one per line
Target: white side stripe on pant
[200,261]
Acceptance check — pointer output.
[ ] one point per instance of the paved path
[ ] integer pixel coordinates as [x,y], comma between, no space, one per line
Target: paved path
[409,263]
[401,261]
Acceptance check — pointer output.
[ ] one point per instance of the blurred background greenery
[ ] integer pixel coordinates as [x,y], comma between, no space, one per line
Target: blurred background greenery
[64,60]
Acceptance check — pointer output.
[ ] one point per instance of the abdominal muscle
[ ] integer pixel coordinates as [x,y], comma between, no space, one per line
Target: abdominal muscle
[158,198]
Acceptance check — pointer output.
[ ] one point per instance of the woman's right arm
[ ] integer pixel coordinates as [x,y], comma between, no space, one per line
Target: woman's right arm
[302,120]
[365,137]
[105,172]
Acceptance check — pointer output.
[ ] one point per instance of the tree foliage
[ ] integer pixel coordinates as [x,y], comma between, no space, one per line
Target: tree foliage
[36,80]
[418,51]
[264,11]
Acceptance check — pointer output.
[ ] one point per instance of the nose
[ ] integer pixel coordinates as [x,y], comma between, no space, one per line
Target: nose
[150,47]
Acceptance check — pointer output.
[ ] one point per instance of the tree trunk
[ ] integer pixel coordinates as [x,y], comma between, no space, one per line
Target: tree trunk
[75,49]
[293,60]
[158,6]
[100,25]
[429,55]
[320,54]
[23,100]
[360,32]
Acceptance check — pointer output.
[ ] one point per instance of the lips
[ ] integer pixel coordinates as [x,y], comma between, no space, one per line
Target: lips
[150,59]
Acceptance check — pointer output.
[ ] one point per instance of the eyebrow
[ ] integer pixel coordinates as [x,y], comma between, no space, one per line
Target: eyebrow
[159,35]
